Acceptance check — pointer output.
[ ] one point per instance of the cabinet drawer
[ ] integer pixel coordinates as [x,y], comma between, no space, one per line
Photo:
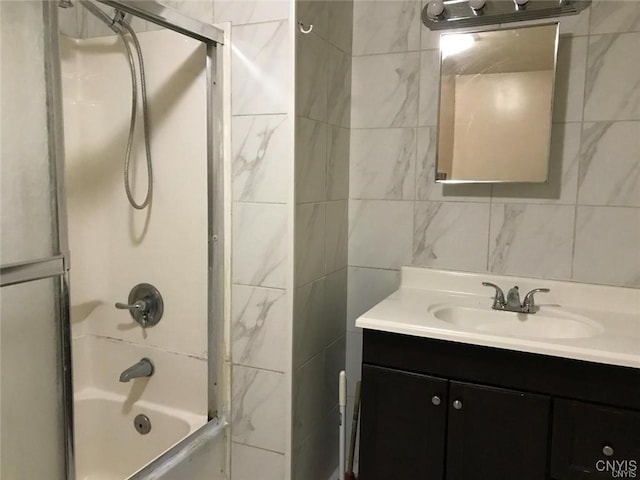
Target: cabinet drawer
[594,442]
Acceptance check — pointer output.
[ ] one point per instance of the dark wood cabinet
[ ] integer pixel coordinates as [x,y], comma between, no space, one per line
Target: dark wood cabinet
[403,440]
[410,421]
[594,442]
[438,410]
[496,433]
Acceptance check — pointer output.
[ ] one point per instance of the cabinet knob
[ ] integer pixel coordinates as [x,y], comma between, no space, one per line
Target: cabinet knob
[435,400]
[607,450]
[457,404]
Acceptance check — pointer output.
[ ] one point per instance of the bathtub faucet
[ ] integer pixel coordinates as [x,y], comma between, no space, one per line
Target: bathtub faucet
[144,368]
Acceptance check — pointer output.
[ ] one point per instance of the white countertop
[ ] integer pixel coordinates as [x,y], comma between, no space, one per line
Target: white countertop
[615,311]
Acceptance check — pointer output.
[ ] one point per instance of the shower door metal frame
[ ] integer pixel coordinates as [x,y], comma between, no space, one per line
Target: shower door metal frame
[59,265]
[212,37]
[56,266]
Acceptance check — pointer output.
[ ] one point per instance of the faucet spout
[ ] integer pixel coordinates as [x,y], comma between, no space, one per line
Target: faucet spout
[513,299]
[144,368]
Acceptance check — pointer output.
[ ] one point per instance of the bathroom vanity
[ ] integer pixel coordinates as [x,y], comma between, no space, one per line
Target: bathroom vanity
[452,389]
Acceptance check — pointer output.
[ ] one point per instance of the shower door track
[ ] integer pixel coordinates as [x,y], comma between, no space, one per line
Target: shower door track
[169,18]
[58,265]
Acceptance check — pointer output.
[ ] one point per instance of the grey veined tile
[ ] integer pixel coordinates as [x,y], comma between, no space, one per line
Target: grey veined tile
[570,75]
[451,235]
[385,90]
[259,68]
[316,13]
[250,11]
[380,233]
[249,463]
[337,163]
[259,327]
[366,287]
[386,26]
[308,385]
[613,78]
[606,249]
[310,242]
[311,77]
[531,240]
[335,301]
[259,243]
[614,16]
[610,164]
[338,87]
[311,160]
[337,227]
[199,9]
[308,322]
[341,24]
[429,87]
[382,163]
[261,162]
[258,408]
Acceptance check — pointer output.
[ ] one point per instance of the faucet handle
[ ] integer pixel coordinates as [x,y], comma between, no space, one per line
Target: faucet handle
[498,302]
[140,305]
[529,304]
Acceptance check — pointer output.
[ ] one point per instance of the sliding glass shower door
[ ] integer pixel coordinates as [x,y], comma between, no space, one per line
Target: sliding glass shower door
[35,405]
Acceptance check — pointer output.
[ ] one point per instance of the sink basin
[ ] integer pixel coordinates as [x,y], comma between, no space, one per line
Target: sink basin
[543,324]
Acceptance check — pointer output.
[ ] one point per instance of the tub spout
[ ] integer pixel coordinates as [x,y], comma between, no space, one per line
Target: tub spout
[144,368]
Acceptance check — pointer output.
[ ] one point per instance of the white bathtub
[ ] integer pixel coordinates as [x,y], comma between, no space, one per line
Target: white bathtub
[108,447]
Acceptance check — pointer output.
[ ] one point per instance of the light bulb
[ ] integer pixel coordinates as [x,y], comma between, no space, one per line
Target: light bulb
[435,9]
[477,4]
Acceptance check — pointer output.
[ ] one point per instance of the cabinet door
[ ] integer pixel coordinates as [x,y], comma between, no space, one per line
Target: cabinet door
[403,425]
[595,442]
[496,434]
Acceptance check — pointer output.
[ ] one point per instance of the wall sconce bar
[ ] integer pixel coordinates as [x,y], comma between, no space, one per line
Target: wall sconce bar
[449,14]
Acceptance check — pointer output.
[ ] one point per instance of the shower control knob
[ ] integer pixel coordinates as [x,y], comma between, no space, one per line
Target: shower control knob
[457,404]
[435,400]
[140,305]
[144,304]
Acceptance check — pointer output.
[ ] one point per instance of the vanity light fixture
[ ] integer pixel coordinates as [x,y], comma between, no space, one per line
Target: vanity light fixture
[448,14]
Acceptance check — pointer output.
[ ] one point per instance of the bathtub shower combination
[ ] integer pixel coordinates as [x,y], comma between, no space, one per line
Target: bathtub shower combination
[143,188]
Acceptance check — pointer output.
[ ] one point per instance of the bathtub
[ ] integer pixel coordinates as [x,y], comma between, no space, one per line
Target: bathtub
[108,446]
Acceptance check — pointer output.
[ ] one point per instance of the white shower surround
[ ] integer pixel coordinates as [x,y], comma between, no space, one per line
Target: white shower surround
[110,254]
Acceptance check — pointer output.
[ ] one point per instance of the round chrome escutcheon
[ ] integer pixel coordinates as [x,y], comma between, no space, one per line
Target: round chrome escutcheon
[142,424]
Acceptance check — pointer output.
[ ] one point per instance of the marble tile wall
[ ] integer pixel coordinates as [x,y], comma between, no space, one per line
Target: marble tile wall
[262,263]
[323,91]
[584,225]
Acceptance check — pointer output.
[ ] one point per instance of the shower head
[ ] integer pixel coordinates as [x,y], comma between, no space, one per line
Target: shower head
[65,3]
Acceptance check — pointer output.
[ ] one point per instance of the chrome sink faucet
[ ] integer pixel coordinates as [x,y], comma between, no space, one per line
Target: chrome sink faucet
[512,302]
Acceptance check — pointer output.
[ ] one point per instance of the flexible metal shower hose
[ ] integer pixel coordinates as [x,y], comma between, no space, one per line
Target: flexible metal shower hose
[134,112]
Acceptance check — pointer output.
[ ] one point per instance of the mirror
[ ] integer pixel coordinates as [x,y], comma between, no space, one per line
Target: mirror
[496,97]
